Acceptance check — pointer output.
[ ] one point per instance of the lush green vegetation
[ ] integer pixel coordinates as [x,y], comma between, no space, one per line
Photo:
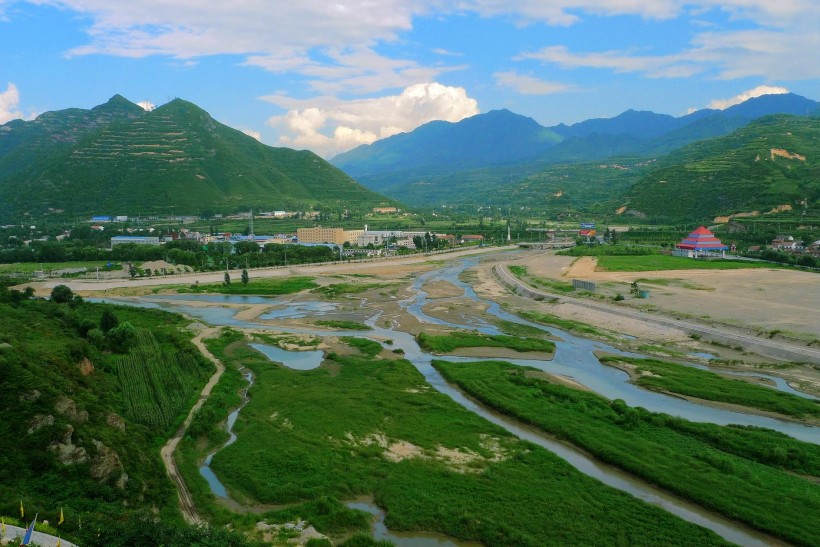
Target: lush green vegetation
[549,284]
[447,343]
[336,289]
[102,170]
[370,348]
[704,384]
[157,384]
[262,286]
[607,250]
[667,262]
[67,437]
[737,173]
[341,324]
[310,438]
[744,473]
[564,324]
[518,329]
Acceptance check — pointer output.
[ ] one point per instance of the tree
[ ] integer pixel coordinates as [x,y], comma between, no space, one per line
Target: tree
[108,320]
[634,290]
[227,280]
[61,294]
[245,277]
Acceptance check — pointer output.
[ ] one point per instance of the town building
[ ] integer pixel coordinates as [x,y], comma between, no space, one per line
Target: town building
[137,240]
[701,242]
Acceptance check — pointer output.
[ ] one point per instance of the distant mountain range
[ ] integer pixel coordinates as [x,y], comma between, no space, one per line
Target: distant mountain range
[119,159]
[502,158]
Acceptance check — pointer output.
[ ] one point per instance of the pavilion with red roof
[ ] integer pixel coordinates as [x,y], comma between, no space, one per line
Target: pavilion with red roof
[701,242]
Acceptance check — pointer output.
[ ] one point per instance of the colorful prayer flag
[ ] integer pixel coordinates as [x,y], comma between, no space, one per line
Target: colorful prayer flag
[22,511]
[59,542]
[62,518]
[30,530]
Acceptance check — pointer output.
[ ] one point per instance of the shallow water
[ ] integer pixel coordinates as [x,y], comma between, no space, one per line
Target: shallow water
[403,539]
[574,358]
[297,360]
[205,469]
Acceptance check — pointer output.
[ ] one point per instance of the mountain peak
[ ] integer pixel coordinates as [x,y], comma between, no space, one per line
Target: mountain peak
[119,103]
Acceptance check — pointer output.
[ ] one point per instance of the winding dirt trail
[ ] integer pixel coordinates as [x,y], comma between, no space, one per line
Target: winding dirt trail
[186,502]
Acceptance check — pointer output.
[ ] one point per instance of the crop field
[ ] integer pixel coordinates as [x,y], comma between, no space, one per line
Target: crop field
[665,376]
[157,384]
[748,474]
[364,426]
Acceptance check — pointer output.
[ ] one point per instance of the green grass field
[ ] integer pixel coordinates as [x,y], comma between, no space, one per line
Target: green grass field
[658,262]
[341,324]
[665,376]
[747,474]
[308,439]
[31,267]
[455,340]
[268,286]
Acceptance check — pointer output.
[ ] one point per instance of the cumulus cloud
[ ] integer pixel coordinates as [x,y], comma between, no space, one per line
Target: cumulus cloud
[329,125]
[9,101]
[148,106]
[529,85]
[251,133]
[722,104]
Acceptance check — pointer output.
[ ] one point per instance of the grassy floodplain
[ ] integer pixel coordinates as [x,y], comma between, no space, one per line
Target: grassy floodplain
[703,384]
[658,262]
[748,474]
[447,343]
[341,324]
[363,426]
[264,286]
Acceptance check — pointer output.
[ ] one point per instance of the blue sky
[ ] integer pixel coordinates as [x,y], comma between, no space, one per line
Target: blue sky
[328,76]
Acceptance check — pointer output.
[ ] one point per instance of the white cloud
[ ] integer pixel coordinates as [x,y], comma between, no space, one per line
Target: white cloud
[722,104]
[335,126]
[251,133]
[9,101]
[529,85]
[148,106]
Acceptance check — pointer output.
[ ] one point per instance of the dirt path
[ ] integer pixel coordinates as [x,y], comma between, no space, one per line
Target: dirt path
[186,502]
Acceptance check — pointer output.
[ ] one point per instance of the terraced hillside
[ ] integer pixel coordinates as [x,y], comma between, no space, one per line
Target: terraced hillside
[175,159]
[771,164]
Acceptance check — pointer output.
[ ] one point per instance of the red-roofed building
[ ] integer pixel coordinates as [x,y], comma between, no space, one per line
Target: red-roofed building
[701,242]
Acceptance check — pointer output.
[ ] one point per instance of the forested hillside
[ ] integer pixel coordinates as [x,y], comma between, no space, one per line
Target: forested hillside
[89,394]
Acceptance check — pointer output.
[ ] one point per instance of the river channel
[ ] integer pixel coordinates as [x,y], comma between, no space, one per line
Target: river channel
[574,358]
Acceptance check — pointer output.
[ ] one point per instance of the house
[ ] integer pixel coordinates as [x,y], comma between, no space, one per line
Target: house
[701,242]
[785,243]
[471,238]
[385,210]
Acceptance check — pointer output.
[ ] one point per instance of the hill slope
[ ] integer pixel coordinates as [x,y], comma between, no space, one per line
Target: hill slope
[771,162]
[118,159]
[486,159]
[84,413]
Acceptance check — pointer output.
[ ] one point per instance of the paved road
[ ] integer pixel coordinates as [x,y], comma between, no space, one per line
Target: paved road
[44,540]
[322,268]
[765,346]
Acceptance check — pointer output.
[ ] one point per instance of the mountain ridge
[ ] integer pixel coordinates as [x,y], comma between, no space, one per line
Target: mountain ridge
[175,158]
[632,133]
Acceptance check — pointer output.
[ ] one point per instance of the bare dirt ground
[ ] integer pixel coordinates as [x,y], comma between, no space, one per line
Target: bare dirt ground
[762,299]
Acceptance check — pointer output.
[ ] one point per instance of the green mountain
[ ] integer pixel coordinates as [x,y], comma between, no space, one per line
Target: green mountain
[438,148]
[504,159]
[772,162]
[118,159]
